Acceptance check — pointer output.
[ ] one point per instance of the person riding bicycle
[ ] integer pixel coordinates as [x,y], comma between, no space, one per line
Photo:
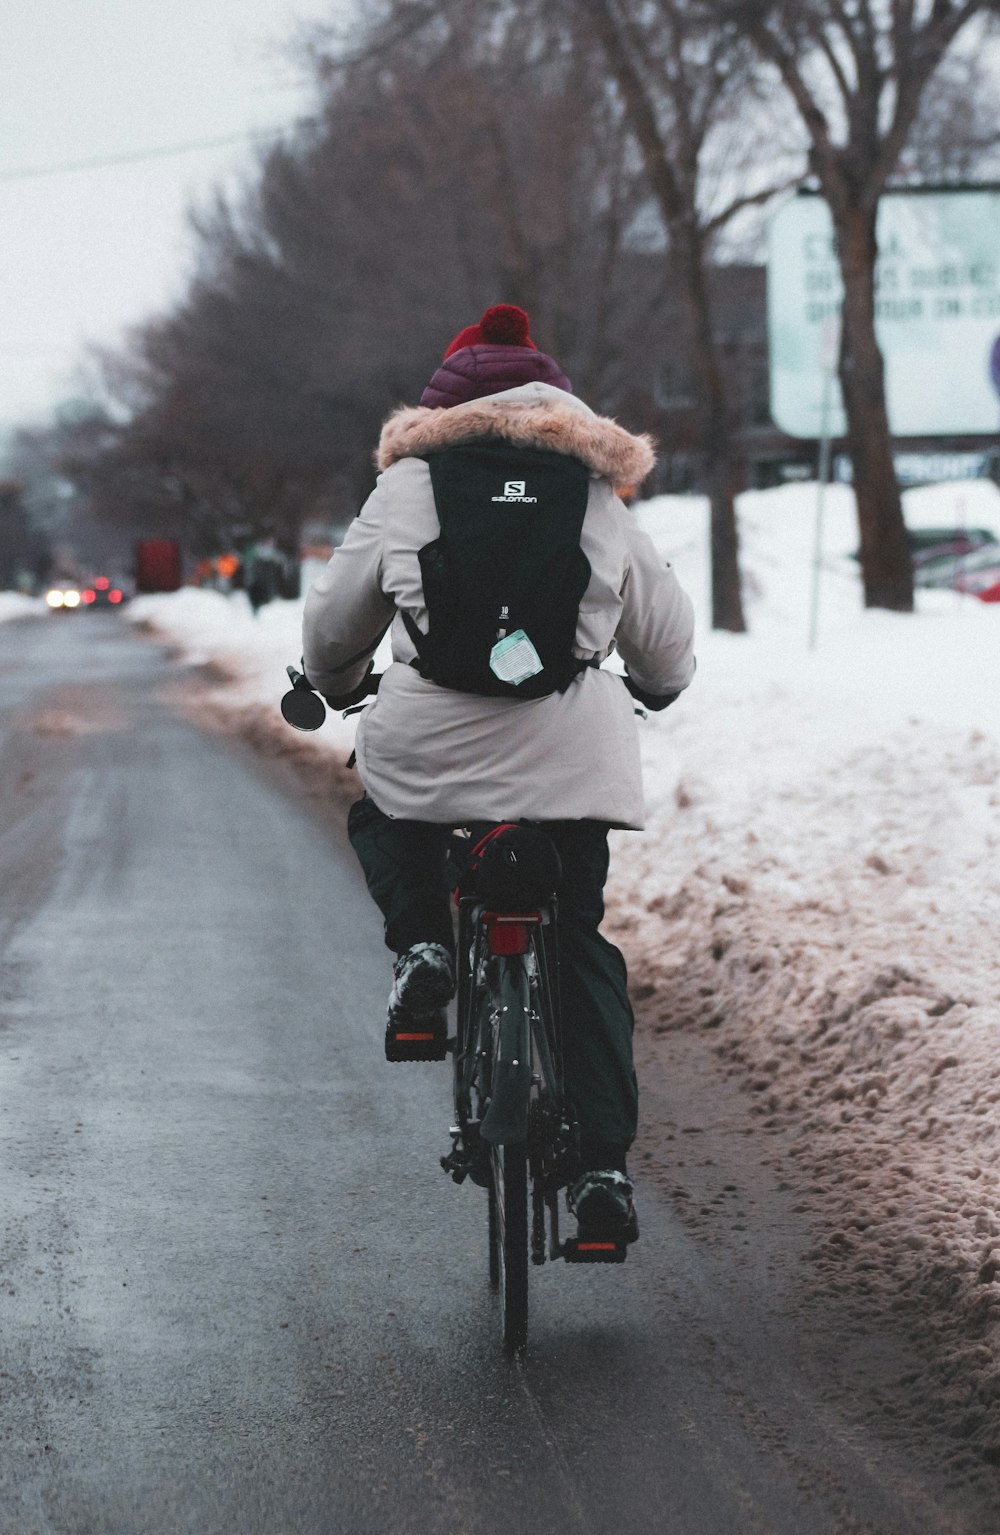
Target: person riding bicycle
[496,548]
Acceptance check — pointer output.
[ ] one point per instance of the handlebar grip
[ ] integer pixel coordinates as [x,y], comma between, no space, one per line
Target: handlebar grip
[299,680]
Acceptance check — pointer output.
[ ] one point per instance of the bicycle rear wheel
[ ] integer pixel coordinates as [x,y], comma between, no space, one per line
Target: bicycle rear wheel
[494,1256]
[509,1244]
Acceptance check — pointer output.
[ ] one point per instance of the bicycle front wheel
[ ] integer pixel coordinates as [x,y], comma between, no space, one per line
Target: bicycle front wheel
[509,1234]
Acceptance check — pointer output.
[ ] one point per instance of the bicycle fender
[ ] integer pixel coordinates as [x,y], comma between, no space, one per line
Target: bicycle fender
[506,1120]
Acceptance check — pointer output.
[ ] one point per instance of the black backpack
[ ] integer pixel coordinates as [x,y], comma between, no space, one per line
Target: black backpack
[503,582]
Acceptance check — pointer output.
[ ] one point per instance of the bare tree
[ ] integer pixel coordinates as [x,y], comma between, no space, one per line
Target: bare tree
[956,136]
[857,72]
[322,298]
[511,167]
[686,88]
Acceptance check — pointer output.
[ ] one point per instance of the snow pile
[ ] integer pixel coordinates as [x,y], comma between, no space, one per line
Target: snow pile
[819,887]
[840,943]
[13,606]
[243,659]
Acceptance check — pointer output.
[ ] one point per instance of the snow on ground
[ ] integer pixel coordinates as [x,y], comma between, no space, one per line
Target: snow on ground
[819,886]
[13,605]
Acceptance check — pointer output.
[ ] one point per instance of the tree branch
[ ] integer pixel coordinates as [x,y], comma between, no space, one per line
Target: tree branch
[750,200]
[773,48]
[640,108]
[923,51]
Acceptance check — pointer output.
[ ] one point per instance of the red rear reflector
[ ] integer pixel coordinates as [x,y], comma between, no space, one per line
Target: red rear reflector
[596,1247]
[114,596]
[413,1036]
[507,932]
[508,937]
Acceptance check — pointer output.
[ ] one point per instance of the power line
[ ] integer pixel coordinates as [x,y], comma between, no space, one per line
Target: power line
[162,152]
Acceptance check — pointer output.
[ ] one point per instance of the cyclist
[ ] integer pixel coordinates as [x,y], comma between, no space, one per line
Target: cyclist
[502,482]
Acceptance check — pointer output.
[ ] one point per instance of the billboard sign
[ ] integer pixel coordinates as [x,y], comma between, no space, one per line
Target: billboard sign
[937,313]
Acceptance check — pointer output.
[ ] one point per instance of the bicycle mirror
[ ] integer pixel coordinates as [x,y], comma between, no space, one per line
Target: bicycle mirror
[302,710]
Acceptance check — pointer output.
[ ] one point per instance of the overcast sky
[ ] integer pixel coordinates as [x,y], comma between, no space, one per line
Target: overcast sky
[84,254]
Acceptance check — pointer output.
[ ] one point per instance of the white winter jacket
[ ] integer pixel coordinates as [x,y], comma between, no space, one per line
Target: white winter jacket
[429,753]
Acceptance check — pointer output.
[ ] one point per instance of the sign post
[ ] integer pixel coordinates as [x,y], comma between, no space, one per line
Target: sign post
[831,352]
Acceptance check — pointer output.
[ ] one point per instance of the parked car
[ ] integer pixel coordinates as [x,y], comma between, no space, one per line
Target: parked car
[957,560]
[979,573]
[921,540]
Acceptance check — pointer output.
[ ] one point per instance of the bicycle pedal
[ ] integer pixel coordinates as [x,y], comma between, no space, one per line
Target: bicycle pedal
[594,1250]
[412,1042]
[592,1245]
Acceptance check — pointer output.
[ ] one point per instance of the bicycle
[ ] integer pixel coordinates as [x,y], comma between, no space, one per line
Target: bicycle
[515,1133]
[515,1129]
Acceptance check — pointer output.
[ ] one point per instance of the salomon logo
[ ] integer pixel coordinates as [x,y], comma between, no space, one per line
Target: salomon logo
[513,490]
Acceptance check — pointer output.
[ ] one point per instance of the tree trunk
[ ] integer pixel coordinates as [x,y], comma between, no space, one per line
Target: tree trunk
[727,596]
[718,443]
[886,564]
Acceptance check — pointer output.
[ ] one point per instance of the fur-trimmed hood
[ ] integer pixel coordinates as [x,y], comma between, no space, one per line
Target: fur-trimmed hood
[533,416]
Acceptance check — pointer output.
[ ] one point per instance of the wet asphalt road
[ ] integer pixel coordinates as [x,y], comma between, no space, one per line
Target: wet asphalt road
[236,1292]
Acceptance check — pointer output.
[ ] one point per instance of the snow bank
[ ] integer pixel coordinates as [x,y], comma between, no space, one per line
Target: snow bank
[819,887]
[14,605]
[243,659]
[832,921]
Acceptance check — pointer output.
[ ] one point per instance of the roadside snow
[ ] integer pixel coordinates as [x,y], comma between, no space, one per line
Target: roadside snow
[819,885]
[13,606]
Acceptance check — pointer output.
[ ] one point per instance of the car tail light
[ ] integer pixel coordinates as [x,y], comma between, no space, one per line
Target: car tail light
[510,934]
[89,596]
[102,583]
[115,596]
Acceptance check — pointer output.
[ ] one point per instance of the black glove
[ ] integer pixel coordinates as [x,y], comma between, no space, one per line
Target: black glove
[653,701]
[355,696]
[335,700]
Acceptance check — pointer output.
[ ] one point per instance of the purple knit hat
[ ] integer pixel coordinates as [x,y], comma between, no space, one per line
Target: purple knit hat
[487,358]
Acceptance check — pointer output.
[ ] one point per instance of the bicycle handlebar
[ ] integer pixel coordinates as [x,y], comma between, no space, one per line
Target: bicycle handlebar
[305,709]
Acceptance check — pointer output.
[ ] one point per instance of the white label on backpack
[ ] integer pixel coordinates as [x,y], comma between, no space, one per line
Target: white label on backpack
[515,659]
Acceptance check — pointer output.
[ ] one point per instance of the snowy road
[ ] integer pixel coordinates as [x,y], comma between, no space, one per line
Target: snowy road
[236,1293]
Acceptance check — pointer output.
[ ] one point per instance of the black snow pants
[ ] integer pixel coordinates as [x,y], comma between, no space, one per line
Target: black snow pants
[405,864]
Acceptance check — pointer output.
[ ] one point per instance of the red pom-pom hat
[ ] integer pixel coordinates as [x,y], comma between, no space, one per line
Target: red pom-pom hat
[489,358]
[502,325]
